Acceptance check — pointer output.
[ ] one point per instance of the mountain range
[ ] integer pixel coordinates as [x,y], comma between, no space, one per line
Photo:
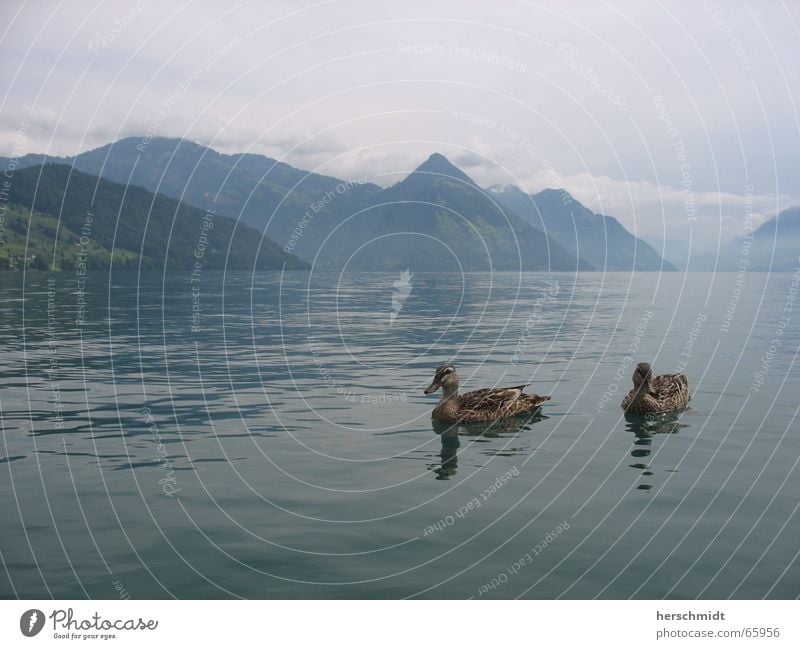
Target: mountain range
[57,217]
[773,246]
[438,219]
[600,240]
[435,219]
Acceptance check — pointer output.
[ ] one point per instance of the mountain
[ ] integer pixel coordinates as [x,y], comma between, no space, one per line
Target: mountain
[53,206]
[438,170]
[271,196]
[601,240]
[774,246]
[437,219]
[679,251]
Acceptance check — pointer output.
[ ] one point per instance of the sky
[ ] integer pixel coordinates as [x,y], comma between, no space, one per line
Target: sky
[679,118]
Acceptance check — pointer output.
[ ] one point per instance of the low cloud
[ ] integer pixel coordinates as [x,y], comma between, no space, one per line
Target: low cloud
[325,87]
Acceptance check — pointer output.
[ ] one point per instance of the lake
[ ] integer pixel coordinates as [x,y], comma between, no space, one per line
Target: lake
[267,436]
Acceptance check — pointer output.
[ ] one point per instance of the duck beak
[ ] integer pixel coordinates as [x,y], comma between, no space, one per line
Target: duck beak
[433,387]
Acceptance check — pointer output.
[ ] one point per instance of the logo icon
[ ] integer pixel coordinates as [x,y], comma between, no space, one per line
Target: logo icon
[31,622]
[402,288]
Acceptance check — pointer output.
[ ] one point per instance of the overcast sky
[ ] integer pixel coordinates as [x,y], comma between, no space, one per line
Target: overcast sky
[652,112]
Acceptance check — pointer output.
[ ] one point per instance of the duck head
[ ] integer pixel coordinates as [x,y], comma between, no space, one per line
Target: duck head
[445,378]
[642,375]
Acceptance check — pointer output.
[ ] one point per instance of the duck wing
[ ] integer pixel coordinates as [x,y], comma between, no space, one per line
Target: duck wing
[671,391]
[498,403]
[489,398]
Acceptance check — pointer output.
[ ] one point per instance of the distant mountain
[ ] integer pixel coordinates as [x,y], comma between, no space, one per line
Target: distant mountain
[438,219]
[436,170]
[785,226]
[435,219]
[675,251]
[50,207]
[601,240]
[271,196]
[775,246]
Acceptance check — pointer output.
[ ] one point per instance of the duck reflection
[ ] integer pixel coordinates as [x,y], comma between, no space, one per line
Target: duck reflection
[449,453]
[451,433]
[644,427]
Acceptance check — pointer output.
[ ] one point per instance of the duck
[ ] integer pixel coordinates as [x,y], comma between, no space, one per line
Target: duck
[488,404]
[665,393]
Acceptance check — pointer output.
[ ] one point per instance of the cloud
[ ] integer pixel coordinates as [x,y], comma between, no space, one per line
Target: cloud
[351,89]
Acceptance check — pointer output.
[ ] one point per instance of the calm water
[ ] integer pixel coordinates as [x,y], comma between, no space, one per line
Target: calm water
[283,448]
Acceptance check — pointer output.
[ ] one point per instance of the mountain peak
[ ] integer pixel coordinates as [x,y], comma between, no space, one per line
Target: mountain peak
[555,194]
[786,222]
[792,213]
[438,165]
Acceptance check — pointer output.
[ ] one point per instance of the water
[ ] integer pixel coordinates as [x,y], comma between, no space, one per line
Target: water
[283,448]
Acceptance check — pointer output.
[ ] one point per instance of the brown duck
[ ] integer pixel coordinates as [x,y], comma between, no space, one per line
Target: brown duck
[663,393]
[481,405]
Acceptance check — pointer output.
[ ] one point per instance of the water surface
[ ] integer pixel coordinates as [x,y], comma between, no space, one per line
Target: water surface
[267,437]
